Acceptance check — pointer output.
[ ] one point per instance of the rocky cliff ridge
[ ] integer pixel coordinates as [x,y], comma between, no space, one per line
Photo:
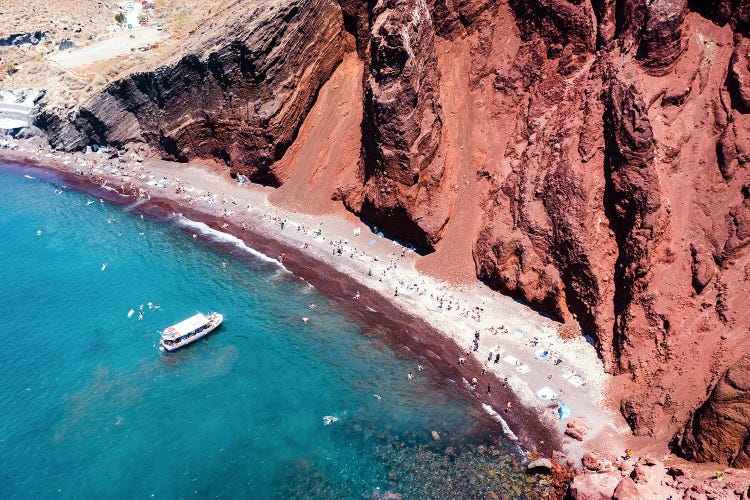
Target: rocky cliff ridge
[588,157]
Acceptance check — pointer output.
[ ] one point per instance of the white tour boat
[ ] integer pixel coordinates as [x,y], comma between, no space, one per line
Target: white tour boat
[189,330]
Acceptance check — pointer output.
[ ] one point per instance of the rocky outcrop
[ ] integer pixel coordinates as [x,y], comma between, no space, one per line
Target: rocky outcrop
[402,122]
[719,431]
[739,76]
[241,103]
[662,37]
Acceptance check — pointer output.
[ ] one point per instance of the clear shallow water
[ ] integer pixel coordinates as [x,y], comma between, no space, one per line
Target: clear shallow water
[90,408]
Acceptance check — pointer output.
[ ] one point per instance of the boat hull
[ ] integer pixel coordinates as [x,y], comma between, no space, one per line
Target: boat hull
[216,320]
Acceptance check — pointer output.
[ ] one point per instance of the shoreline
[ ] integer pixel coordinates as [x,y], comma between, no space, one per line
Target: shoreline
[304,258]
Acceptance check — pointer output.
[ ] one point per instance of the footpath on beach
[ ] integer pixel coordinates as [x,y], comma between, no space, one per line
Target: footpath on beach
[520,349]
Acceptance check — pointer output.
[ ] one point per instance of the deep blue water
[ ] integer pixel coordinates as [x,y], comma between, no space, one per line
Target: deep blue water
[90,408]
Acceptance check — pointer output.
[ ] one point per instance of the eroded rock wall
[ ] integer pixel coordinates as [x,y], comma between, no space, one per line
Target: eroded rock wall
[402,124]
[719,430]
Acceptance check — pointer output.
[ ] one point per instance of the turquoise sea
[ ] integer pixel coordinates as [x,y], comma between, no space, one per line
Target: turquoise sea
[91,409]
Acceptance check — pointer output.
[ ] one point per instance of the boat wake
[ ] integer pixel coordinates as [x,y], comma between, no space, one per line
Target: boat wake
[217,235]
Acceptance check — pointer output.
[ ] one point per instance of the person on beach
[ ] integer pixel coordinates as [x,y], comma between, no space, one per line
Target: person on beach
[489,388]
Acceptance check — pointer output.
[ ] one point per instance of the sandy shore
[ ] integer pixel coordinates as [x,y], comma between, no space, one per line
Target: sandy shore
[523,370]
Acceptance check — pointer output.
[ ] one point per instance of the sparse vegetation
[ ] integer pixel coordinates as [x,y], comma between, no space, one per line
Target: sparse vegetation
[10,68]
[120,18]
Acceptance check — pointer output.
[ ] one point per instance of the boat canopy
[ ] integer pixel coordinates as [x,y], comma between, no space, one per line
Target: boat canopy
[186,326]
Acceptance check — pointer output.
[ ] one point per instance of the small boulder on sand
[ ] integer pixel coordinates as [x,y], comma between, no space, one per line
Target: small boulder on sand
[594,486]
[576,428]
[594,463]
[626,490]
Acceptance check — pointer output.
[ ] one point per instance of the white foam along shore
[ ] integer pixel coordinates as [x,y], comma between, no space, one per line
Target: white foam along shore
[515,344]
[221,236]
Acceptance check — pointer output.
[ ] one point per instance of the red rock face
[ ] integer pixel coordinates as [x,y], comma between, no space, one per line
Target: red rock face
[589,157]
[718,431]
[402,122]
[662,36]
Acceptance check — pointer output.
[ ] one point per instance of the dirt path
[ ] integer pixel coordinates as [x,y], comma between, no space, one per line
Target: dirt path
[120,44]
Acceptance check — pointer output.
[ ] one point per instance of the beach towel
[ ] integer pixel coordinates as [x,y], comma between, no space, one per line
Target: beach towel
[564,411]
[523,369]
[511,360]
[546,393]
[519,334]
[576,380]
[542,354]
[568,374]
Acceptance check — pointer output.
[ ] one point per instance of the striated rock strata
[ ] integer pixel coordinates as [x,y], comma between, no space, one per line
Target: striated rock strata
[589,157]
[241,102]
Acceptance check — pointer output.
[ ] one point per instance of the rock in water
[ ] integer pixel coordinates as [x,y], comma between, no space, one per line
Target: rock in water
[543,465]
